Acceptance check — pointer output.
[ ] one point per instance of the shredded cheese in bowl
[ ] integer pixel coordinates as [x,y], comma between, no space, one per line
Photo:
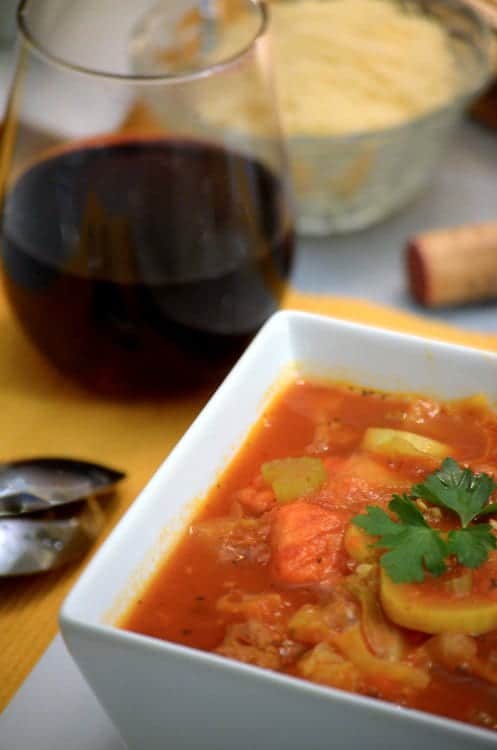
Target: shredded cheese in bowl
[354,79]
[344,66]
[369,92]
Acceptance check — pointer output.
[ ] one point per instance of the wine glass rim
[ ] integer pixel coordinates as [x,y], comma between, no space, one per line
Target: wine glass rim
[149,78]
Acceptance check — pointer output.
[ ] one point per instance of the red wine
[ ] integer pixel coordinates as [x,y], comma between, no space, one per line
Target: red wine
[145,264]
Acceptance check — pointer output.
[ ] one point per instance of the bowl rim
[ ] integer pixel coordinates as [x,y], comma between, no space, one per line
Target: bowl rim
[110,633]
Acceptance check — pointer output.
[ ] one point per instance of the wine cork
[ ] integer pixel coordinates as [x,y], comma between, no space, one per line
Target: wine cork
[453,266]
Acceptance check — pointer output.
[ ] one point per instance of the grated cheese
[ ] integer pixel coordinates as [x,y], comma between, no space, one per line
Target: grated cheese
[344,66]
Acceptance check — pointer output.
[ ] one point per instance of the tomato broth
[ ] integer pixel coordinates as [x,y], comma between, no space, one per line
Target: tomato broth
[276,571]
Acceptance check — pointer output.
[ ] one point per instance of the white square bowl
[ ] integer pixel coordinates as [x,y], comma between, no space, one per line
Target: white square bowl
[162,695]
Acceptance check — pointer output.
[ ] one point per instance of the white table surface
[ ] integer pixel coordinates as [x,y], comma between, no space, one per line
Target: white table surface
[54,709]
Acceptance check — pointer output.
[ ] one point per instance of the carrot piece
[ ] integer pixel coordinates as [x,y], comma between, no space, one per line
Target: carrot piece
[306,542]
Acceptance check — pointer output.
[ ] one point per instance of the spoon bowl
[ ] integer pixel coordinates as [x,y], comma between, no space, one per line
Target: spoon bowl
[40,484]
[48,541]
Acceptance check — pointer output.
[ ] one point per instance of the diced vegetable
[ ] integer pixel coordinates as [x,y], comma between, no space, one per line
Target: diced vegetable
[359,545]
[452,650]
[292,478]
[410,605]
[312,623]
[353,647]
[306,542]
[383,638]
[309,624]
[402,443]
[323,664]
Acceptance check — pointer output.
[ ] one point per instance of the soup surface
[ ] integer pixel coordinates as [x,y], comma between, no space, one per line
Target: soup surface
[351,542]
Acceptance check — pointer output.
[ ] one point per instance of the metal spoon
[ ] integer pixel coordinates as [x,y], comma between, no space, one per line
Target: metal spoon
[35,545]
[37,484]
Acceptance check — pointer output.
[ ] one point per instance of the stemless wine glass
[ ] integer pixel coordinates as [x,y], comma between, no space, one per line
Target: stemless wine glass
[146,228]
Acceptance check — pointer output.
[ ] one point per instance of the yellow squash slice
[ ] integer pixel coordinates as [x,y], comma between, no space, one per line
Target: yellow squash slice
[403,443]
[407,605]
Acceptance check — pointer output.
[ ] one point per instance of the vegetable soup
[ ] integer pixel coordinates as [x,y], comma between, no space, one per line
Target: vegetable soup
[351,542]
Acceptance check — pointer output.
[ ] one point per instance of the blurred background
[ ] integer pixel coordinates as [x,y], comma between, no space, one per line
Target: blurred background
[371,262]
[7,44]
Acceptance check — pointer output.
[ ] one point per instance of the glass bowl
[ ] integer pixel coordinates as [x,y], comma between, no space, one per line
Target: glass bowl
[341,182]
[348,182]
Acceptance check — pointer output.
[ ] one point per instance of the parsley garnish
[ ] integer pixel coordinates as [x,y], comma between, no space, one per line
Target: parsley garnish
[413,545]
[458,490]
[472,545]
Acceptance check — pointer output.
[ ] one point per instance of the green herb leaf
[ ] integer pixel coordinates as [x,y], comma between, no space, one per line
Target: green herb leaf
[407,511]
[416,549]
[472,545]
[457,489]
[376,522]
[413,545]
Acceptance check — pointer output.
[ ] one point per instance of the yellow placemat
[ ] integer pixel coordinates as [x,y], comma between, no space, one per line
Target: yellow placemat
[41,413]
